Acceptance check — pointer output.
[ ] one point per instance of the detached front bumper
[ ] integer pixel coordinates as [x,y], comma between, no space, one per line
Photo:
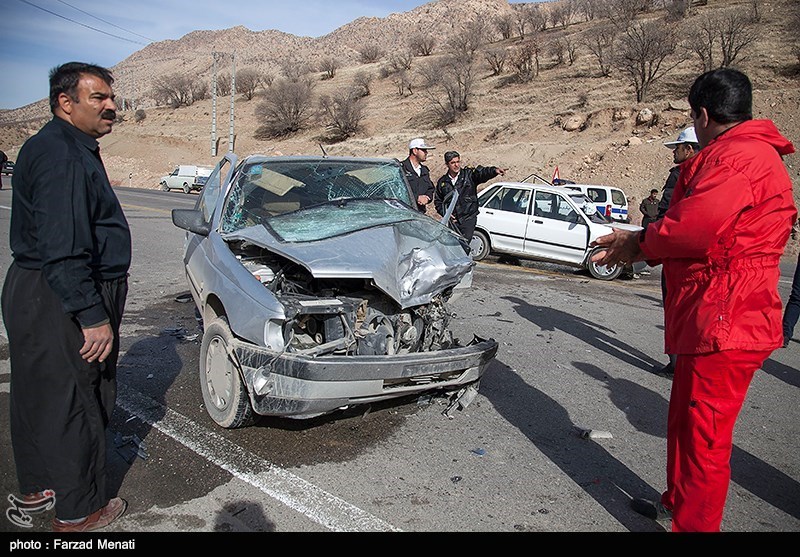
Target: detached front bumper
[300,386]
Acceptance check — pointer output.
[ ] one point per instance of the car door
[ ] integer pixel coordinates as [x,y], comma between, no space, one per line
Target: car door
[556,231]
[197,248]
[505,216]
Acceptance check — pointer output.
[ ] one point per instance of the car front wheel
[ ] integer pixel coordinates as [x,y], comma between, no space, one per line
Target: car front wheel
[164,186]
[186,188]
[224,393]
[479,245]
[603,272]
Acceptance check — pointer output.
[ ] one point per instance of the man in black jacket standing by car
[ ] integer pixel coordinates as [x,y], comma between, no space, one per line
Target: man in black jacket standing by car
[63,300]
[465,181]
[417,174]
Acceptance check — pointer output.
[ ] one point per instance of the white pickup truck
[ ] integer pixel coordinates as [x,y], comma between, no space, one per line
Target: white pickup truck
[186,177]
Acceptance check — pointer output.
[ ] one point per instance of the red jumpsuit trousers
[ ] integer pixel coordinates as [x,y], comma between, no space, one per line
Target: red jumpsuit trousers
[708,391]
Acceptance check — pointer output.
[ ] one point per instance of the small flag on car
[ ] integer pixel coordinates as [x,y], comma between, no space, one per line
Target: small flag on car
[555,175]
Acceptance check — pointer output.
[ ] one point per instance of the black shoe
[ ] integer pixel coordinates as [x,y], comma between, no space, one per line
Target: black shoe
[666,371]
[786,340]
[653,510]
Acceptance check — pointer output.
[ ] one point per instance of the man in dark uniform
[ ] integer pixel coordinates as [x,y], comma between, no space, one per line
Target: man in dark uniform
[465,181]
[417,173]
[63,299]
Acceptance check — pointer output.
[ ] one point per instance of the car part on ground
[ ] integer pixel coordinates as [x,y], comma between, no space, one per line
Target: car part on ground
[321,287]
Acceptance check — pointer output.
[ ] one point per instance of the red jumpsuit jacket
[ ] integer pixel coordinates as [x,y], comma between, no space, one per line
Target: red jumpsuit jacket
[721,240]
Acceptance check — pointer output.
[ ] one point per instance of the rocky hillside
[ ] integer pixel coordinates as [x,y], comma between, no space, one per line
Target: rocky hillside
[568,116]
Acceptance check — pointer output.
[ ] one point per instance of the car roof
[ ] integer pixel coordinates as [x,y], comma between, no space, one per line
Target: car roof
[528,185]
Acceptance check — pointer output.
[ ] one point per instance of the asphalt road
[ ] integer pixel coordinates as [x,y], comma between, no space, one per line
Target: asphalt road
[576,354]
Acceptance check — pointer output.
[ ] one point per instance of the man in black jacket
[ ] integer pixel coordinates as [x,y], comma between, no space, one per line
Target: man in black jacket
[63,300]
[465,181]
[417,173]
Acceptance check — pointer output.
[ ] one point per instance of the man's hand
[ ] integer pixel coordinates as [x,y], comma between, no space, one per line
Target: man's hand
[423,199]
[622,246]
[97,343]
[500,171]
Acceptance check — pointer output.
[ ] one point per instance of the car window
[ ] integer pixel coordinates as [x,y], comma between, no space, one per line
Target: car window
[513,200]
[264,191]
[211,191]
[618,197]
[488,198]
[554,206]
[597,195]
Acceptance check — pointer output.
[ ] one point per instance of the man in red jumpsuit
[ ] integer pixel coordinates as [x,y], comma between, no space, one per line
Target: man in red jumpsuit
[720,244]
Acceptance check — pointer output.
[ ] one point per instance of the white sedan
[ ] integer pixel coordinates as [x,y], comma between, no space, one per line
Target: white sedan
[540,222]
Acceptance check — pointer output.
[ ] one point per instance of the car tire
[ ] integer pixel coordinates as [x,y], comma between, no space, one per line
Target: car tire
[479,245]
[224,393]
[186,188]
[603,272]
[164,186]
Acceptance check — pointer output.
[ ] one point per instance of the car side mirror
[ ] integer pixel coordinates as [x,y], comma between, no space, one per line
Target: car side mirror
[191,220]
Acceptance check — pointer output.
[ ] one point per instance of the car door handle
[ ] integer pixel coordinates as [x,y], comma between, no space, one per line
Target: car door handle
[537,221]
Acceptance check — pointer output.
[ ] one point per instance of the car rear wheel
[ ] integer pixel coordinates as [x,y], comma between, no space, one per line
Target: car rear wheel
[186,188]
[603,272]
[224,393]
[479,245]
[164,186]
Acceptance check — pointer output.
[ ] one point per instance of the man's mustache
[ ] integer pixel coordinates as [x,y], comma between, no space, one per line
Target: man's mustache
[109,115]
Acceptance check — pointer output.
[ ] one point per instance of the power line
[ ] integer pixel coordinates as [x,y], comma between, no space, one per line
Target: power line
[82,24]
[107,22]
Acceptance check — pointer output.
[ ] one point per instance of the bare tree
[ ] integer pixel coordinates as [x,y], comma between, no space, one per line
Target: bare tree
[496,59]
[466,42]
[570,47]
[621,13]
[525,59]
[361,83]
[422,44]
[588,8]
[505,25]
[287,108]
[343,114]
[677,9]
[561,13]
[328,67]
[521,22]
[600,42]
[736,32]
[224,84]
[448,85]
[403,80]
[173,90]
[537,17]
[199,90]
[293,69]
[643,55]
[399,61]
[247,81]
[370,53]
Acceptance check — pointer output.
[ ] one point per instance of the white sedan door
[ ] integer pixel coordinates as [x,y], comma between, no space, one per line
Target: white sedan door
[505,215]
[555,230]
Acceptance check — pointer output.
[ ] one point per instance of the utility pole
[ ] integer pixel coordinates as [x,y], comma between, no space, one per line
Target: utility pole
[214,106]
[233,94]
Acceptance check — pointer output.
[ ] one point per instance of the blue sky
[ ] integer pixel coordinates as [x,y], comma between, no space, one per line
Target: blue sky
[36,35]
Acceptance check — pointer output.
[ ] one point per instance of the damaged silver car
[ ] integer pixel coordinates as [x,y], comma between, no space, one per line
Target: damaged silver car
[320,287]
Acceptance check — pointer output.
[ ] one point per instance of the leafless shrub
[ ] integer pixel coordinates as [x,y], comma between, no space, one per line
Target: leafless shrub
[622,13]
[600,42]
[643,55]
[736,33]
[561,13]
[370,53]
[224,84]
[524,58]
[448,84]
[294,70]
[403,80]
[521,20]
[677,9]
[556,48]
[537,18]
[173,90]
[343,113]
[505,25]
[286,110]
[247,81]
[139,115]
[361,83]
[588,8]
[496,59]
[199,90]
[328,67]
[422,44]
[570,47]
[400,61]
[465,43]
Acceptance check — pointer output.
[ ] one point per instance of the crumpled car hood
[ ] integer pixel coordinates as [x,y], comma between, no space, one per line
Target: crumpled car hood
[411,261]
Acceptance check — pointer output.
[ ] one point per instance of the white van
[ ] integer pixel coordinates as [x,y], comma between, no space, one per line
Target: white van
[611,202]
[186,177]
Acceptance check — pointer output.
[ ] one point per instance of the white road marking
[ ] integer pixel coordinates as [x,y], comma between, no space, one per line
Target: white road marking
[294,492]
